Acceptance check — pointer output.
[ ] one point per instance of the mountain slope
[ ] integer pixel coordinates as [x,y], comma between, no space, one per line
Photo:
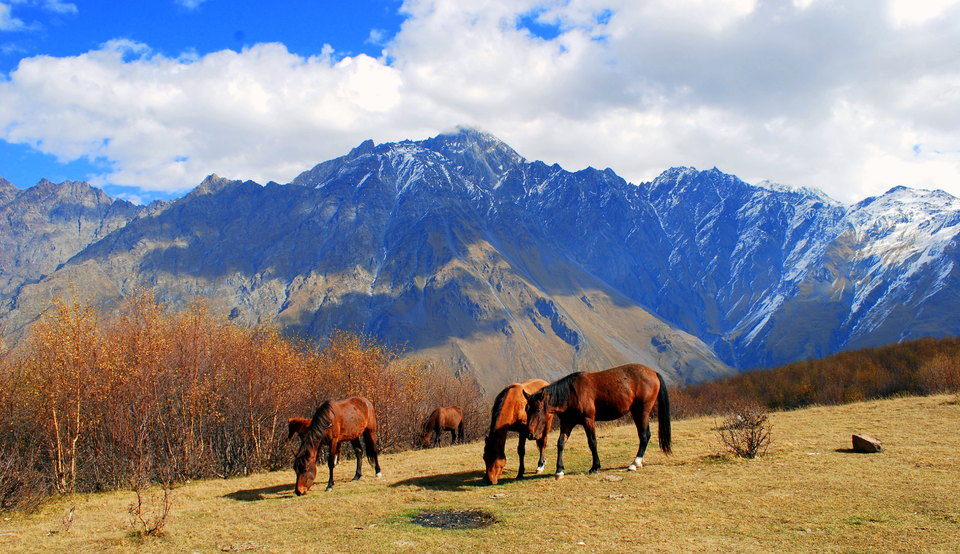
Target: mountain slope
[43,226]
[460,248]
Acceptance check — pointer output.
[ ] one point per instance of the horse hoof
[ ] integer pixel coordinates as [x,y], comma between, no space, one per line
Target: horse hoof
[329,489]
[559,476]
[632,467]
[379,475]
[540,469]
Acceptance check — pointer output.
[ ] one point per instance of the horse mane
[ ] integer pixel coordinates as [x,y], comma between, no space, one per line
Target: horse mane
[428,423]
[322,420]
[559,393]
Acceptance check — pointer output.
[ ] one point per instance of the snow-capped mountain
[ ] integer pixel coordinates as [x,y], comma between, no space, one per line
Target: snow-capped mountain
[465,251]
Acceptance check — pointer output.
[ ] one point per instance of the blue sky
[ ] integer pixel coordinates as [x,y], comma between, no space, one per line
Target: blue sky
[146,98]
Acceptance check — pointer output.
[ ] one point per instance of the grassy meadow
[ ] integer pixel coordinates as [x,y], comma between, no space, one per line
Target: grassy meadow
[809,493]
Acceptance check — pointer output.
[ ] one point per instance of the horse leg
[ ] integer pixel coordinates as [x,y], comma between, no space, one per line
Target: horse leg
[589,426]
[564,433]
[453,436]
[358,452]
[542,445]
[641,417]
[371,444]
[521,452]
[331,461]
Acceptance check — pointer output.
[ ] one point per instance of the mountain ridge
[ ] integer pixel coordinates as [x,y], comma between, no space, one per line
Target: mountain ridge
[511,268]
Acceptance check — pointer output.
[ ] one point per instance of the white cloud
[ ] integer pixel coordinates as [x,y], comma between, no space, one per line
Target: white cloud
[57,6]
[7,21]
[189,4]
[914,12]
[840,95]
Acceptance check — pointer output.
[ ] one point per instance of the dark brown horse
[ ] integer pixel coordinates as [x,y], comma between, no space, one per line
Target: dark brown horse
[585,398]
[443,419]
[509,414]
[336,421]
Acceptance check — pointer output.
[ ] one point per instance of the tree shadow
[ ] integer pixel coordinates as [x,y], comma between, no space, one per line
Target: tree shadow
[264,493]
[462,481]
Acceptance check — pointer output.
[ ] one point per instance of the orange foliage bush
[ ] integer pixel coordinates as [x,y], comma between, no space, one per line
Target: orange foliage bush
[149,395]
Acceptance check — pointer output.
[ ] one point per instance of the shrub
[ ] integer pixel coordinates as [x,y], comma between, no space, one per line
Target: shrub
[746,430]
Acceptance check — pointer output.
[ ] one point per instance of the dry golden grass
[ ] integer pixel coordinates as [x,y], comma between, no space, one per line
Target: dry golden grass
[809,493]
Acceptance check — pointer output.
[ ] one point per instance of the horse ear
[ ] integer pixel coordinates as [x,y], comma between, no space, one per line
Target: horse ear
[526,395]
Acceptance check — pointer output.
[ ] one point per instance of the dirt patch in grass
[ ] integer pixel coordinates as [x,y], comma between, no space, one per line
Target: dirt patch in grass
[454,519]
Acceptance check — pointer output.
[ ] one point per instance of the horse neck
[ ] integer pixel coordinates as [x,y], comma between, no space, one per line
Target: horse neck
[511,412]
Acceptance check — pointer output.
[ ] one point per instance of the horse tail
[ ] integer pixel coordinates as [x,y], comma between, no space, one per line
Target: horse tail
[663,417]
[370,447]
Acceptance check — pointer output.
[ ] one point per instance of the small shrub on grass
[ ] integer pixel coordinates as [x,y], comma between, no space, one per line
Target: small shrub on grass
[145,524]
[746,431]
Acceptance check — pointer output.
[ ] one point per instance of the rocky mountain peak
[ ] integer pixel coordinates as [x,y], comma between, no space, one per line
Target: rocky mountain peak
[211,184]
[7,191]
[460,248]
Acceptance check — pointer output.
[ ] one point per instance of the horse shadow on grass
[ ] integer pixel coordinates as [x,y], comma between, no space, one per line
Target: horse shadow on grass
[457,482]
[264,493]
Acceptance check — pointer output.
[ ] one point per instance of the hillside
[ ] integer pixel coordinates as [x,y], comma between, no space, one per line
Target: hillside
[810,493]
[462,250]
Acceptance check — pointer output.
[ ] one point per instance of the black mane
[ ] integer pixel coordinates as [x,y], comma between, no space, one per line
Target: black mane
[322,420]
[559,393]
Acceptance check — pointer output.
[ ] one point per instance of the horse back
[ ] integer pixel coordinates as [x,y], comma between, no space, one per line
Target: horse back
[612,393]
[353,416]
[450,417]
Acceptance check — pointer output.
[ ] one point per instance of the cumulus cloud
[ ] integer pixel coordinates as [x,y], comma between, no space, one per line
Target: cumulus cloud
[852,97]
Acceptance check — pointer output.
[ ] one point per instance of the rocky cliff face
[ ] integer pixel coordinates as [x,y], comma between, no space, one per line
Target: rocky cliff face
[45,225]
[464,251]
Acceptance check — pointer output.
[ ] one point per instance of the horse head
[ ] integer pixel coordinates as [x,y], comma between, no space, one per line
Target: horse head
[495,460]
[536,414]
[305,465]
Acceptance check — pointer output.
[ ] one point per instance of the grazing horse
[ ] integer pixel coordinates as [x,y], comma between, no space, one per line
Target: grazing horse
[585,398]
[334,421]
[509,414]
[443,419]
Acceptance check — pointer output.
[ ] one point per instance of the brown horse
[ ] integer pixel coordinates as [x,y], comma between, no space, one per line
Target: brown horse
[298,426]
[335,421]
[509,414]
[443,419]
[585,398]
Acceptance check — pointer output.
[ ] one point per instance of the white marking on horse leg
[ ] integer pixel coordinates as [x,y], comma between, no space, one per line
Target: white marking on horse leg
[540,468]
[559,475]
[636,463]
[379,475]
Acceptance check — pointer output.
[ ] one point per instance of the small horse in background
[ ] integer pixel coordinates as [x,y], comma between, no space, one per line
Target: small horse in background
[585,398]
[443,419]
[336,421]
[509,414]
[298,426]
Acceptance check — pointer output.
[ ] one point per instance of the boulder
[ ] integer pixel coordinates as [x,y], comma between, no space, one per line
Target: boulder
[866,444]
